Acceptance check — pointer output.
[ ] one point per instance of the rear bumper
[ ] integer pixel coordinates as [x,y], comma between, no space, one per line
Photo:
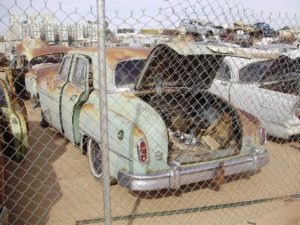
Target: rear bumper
[178,176]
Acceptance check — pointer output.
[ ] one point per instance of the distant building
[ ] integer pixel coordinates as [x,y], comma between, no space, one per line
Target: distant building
[47,28]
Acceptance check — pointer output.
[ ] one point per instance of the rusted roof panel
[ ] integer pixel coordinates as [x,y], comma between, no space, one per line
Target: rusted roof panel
[49,50]
[32,48]
[114,55]
[28,44]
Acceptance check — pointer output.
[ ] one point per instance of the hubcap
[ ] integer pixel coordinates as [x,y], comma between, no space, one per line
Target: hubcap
[95,158]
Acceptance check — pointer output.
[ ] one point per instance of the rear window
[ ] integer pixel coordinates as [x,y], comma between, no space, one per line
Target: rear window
[127,72]
[254,72]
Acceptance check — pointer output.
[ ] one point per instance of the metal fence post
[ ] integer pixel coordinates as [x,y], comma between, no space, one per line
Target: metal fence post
[103,110]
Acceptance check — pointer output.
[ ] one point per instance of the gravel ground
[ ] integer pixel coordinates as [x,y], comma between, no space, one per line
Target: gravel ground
[54,186]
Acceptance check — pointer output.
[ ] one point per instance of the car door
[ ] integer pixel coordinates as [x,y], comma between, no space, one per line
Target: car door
[54,91]
[221,83]
[74,94]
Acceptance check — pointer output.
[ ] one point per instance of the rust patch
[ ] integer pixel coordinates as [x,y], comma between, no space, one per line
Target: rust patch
[219,177]
[54,85]
[32,48]
[137,131]
[115,55]
[128,95]
[71,90]
[49,50]
[250,123]
[28,44]
[47,71]
[49,77]
[90,109]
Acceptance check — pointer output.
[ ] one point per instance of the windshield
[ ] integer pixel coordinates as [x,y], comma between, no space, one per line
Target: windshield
[51,58]
[271,70]
[127,72]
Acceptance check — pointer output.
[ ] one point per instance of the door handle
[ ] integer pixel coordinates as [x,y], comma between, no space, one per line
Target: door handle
[73,97]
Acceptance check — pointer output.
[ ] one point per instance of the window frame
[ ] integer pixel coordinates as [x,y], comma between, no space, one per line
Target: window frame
[70,68]
[86,71]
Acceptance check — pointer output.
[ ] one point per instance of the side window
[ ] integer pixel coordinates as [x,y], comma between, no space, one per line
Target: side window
[65,68]
[223,72]
[79,72]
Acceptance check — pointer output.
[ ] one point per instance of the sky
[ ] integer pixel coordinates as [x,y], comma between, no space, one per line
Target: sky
[150,13]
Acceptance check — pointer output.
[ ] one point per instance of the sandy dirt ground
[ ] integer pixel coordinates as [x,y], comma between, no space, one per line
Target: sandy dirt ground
[54,186]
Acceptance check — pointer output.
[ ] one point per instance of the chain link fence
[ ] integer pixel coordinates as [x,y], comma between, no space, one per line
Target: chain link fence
[198,103]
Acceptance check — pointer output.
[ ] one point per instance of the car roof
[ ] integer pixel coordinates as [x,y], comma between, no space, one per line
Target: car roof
[115,54]
[44,50]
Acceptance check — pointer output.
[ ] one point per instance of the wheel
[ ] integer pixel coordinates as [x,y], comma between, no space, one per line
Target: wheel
[95,160]
[43,122]
[11,150]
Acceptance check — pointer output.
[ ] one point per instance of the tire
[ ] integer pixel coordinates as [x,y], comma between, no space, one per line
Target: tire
[10,149]
[43,122]
[95,160]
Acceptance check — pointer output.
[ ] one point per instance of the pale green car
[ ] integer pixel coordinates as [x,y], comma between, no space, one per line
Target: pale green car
[165,130]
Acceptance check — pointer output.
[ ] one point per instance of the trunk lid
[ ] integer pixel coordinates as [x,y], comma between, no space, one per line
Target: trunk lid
[182,65]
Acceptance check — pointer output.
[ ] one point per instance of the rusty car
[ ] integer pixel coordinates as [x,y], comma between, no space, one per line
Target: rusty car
[14,124]
[32,57]
[165,129]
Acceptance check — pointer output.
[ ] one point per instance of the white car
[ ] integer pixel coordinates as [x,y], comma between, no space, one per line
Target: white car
[268,89]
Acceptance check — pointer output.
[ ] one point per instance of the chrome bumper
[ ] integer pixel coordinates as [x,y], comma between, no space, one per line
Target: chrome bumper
[178,175]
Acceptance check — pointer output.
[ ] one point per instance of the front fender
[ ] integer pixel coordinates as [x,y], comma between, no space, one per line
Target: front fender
[18,128]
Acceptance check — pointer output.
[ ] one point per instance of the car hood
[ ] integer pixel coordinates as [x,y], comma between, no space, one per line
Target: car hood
[182,65]
[43,70]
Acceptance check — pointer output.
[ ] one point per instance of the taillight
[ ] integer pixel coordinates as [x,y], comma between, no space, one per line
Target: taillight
[142,151]
[262,136]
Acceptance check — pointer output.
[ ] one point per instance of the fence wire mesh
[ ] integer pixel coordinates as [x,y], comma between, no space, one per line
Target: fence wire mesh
[203,114]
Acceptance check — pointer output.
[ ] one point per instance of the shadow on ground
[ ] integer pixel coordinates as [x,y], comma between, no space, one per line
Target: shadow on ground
[32,186]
